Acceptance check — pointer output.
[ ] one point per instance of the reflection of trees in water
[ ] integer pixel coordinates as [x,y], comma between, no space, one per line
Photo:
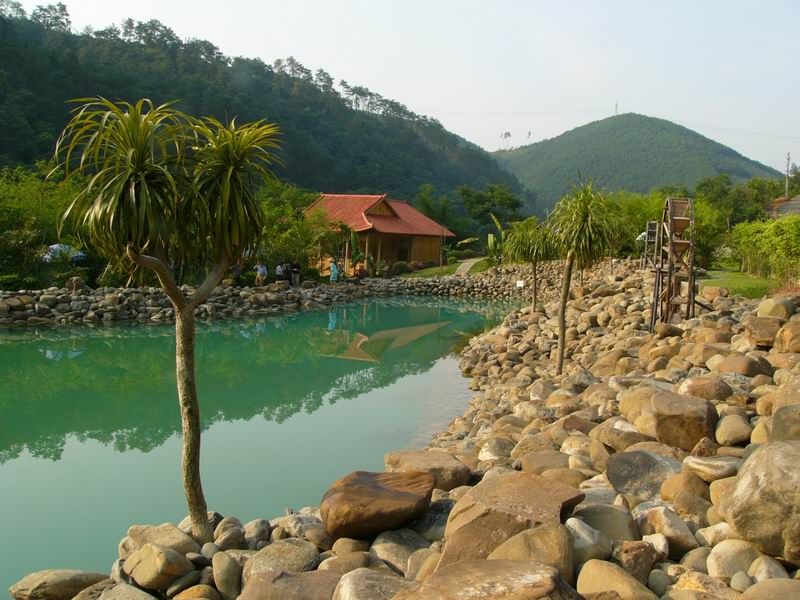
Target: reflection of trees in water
[115,385]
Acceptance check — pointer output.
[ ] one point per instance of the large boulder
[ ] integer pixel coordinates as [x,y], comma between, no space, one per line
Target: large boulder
[764,504]
[600,577]
[54,584]
[395,547]
[678,420]
[371,584]
[155,567]
[782,308]
[123,591]
[292,555]
[280,585]
[166,534]
[447,469]
[363,504]
[493,580]
[547,544]
[640,473]
[499,508]
[788,337]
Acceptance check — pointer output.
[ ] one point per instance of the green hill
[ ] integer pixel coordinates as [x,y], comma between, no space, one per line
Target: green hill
[631,152]
[336,137]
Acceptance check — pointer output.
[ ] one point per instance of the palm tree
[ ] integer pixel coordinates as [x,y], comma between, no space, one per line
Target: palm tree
[166,189]
[530,241]
[584,226]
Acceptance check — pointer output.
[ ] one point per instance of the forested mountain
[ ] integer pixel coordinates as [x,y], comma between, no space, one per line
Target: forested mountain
[626,152]
[336,137]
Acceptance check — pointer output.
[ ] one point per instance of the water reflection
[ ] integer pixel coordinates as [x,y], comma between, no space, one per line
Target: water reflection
[116,384]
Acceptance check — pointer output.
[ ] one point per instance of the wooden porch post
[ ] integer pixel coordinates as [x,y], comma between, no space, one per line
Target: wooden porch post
[366,254]
[346,256]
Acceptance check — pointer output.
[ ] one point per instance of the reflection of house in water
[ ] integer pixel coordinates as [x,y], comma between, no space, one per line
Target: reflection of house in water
[353,345]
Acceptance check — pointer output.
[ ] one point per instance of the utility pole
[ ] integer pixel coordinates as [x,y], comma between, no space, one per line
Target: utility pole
[786,180]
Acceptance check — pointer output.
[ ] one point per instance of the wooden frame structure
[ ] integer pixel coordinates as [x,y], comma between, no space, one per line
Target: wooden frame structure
[674,288]
[649,253]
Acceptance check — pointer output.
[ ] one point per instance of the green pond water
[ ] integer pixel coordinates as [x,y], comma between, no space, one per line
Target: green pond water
[89,420]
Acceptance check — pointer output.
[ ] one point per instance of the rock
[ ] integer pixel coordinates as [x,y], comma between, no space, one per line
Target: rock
[640,473]
[182,583]
[740,581]
[493,580]
[123,591]
[615,522]
[762,330]
[449,472]
[729,557]
[311,585]
[664,520]
[773,589]
[156,567]
[788,338]
[782,308]
[548,544]
[93,592]
[495,510]
[704,587]
[587,542]
[257,530]
[766,567]
[166,535]
[292,555]
[711,468]
[395,547]
[733,430]
[705,386]
[199,592]
[227,575]
[786,424]
[744,365]
[598,577]
[696,559]
[417,561]
[54,584]
[433,523]
[762,507]
[229,534]
[370,584]
[363,504]
[684,482]
[636,558]
[677,420]
[711,536]
[347,545]
[544,460]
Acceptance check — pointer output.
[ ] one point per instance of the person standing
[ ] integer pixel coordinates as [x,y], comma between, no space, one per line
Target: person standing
[261,274]
[279,271]
[334,273]
[295,268]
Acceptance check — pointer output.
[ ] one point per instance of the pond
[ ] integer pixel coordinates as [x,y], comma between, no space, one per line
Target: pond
[89,420]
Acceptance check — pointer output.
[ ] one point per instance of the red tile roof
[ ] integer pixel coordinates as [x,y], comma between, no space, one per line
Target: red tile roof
[352,210]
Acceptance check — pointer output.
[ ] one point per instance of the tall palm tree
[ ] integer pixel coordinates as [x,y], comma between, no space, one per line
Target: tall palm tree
[584,226]
[166,189]
[531,241]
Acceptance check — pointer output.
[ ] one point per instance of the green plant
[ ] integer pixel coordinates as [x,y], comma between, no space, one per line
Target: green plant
[584,226]
[531,241]
[451,260]
[400,267]
[168,189]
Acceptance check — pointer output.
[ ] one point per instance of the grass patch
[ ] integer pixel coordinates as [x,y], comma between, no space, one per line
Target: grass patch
[740,283]
[479,267]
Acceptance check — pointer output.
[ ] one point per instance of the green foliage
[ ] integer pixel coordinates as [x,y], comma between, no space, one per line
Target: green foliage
[496,202]
[584,225]
[338,138]
[626,152]
[495,243]
[452,260]
[530,241]
[147,194]
[769,248]
[400,267]
[635,210]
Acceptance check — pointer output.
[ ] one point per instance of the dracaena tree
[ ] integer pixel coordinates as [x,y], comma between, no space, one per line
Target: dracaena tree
[531,241]
[584,226]
[162,189]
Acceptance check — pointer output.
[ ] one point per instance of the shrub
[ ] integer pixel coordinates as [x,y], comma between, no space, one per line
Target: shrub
[400,266]
[16,282]
[416,265]
[452,260]
[311,273]
[430,264]
[468,253]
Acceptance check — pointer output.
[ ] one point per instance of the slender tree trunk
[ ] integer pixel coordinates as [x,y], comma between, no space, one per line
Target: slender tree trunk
[562,315]
[190,423]
[535,288]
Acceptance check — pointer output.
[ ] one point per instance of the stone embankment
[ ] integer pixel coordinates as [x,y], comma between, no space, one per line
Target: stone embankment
[659,465]
[75,303]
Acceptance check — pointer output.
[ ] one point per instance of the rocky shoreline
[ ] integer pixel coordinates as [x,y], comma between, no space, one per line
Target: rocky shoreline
[658,465]
[75,303]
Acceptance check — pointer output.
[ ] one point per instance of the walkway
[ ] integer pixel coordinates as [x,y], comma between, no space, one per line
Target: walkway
[465,266]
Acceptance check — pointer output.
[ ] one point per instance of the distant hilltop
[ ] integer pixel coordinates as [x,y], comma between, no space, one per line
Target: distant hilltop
[629,151]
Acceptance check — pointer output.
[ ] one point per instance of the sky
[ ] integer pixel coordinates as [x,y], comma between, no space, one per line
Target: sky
[725,68]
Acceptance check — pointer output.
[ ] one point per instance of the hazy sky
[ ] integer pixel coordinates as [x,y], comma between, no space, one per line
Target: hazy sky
[726,68]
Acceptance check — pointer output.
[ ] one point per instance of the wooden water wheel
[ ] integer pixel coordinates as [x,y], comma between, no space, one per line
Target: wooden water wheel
[649,253]
[674,288]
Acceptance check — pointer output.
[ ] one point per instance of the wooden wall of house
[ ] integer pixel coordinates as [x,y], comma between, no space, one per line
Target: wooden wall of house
[426,248]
